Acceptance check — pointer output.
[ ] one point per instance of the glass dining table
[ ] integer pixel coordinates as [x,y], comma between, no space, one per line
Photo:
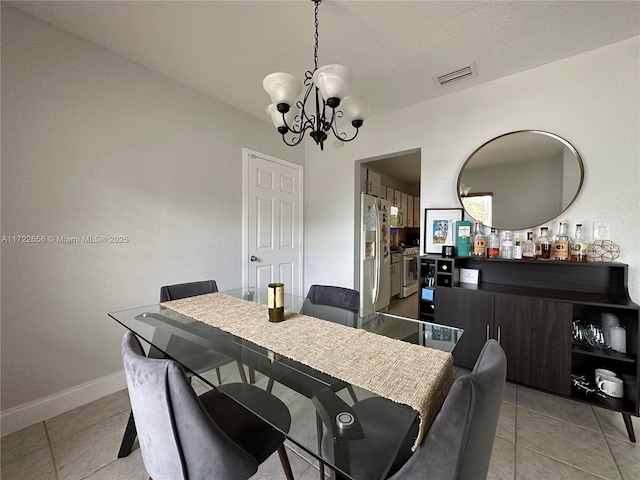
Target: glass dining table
[323,422]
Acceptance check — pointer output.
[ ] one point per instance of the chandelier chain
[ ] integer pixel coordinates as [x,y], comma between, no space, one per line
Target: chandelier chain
[315,49]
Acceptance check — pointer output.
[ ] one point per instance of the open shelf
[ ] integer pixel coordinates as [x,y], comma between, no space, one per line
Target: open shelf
[608,354]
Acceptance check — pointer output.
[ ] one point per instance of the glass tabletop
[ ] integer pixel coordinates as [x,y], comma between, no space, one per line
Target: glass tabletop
[310,395]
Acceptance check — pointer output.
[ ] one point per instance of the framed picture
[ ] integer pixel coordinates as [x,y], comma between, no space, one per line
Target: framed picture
[438,228]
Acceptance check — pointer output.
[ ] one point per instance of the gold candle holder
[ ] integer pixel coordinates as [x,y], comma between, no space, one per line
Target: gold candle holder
[275,302]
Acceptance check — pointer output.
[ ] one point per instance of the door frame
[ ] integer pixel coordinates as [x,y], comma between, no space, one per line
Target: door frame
[247,154]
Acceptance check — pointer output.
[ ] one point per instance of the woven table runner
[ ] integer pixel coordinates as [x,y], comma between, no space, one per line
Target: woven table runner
[403,372]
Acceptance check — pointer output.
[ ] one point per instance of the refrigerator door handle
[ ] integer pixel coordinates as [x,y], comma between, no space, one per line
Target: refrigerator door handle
[376,283]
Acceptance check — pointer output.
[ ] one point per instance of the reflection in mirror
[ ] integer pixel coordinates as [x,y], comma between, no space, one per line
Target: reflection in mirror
[520,180]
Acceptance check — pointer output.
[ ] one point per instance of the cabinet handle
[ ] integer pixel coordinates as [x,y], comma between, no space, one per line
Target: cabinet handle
[499,334]
[487,339]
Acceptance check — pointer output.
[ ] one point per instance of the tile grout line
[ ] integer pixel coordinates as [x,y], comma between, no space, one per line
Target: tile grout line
[608,444]
[564,462]
[50,445]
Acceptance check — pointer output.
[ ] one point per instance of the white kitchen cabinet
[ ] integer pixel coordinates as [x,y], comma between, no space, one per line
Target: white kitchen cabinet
[404,201]
[394,269]
[373,179]
[409,223]
[370,181]
[391,196]
[416,212]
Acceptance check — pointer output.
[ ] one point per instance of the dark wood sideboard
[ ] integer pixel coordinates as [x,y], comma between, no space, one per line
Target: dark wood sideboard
[529,307]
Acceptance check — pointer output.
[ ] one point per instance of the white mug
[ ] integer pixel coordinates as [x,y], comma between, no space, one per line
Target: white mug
[603,371]
[612,386]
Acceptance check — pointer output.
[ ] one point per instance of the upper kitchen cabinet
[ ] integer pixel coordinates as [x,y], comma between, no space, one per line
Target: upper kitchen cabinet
[403,206]
[391,196]
[416,211]
[409,209]
[370,182]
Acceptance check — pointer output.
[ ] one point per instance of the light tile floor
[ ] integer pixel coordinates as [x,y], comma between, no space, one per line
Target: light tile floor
[539,437]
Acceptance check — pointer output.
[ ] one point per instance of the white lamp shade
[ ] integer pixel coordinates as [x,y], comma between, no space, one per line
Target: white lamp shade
[332,80]
[276,116]
[282,87]
[354,108]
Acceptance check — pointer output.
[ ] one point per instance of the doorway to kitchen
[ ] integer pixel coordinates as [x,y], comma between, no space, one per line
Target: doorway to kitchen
[392,184]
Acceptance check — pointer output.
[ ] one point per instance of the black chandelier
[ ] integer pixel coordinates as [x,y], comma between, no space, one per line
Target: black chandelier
[330,85]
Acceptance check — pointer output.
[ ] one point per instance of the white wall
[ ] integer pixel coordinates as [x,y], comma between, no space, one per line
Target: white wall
[93,144]
[578,98]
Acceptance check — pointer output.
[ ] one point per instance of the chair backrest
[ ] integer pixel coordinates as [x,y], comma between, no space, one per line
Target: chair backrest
[459,443]
[178,439]
[184,290]
[334,296]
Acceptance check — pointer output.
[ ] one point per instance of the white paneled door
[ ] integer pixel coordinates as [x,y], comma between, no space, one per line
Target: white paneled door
[273,222]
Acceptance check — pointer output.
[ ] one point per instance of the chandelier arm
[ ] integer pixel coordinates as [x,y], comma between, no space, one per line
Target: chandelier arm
[302,104]
[332,124]
[294,141]
[343,136]
[306,121]
[320,114]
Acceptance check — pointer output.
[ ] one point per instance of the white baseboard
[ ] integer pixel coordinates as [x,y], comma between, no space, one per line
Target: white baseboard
[22,416]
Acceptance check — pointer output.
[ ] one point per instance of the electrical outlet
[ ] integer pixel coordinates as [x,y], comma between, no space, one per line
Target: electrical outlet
[601,231]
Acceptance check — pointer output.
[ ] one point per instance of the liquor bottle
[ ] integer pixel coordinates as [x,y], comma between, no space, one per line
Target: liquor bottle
[478,247]
[543,245]
[529,248]
[578,246]
[561,244]
[493,244]
[517,250]
[506,248]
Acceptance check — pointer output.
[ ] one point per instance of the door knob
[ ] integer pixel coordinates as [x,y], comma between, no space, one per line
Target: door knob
[253,258]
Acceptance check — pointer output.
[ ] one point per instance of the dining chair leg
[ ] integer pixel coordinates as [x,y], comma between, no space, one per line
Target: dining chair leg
[243,376]
[270,385]
[352,393]
[284,460]
[129,438]
[218,375]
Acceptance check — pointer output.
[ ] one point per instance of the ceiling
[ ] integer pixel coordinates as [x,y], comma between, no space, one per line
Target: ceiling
[394,48]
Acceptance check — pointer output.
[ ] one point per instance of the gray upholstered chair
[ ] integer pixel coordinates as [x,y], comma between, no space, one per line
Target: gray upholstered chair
[181,348]
[457,446]
[335,296]
[201,363]
[183,436]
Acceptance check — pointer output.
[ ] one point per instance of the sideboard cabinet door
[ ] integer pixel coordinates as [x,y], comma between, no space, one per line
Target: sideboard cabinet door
[536,337]
[470,310]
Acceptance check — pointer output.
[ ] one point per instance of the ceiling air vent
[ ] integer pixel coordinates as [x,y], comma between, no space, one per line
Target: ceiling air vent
[456,75]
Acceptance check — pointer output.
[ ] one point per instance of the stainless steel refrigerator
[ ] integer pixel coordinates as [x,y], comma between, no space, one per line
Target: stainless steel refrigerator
[375,253]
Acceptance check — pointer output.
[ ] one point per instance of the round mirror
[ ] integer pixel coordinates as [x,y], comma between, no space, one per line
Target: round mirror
[520,180]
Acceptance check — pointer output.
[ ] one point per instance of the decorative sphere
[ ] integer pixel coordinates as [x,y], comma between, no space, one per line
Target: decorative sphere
[603,251]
